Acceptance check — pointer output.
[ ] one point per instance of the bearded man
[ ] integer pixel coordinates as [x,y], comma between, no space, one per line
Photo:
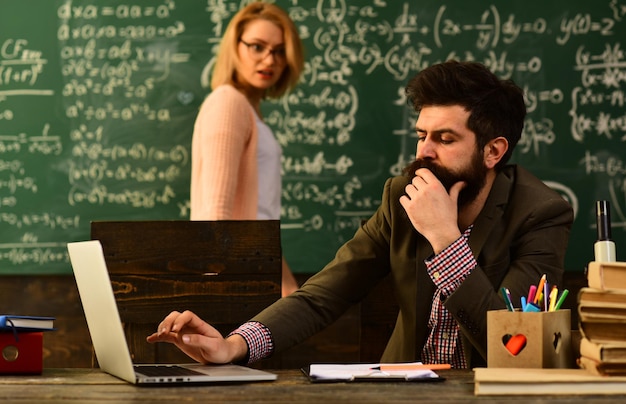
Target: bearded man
[459,226]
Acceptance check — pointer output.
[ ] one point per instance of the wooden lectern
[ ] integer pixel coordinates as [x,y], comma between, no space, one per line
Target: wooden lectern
[224,271]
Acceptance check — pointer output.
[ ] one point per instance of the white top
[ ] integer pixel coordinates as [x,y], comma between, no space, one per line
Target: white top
[269,155]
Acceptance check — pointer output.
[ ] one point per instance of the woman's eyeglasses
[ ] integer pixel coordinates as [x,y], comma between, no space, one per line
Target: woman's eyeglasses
[259,52]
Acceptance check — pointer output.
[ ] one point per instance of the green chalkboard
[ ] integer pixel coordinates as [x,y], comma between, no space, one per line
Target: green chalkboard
[98,100]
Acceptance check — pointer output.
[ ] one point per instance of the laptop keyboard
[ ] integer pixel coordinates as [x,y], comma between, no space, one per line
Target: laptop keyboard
[165,370]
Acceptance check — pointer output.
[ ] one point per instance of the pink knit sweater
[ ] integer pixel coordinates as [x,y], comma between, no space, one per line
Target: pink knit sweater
[224,174]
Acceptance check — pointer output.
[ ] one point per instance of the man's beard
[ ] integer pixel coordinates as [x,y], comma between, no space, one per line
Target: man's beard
[474,176]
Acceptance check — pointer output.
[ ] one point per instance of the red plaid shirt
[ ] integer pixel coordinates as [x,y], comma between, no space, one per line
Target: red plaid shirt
[448,270]
[258,338]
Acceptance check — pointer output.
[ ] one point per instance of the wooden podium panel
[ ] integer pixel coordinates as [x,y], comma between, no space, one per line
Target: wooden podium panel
[224,271]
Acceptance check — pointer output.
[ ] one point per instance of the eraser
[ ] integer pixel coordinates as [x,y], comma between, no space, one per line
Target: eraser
[531,307]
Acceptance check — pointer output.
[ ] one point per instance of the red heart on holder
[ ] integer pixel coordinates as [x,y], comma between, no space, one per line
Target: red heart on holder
[514,344]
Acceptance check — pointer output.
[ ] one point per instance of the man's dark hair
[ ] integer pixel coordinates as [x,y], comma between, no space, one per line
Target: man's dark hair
[496,106]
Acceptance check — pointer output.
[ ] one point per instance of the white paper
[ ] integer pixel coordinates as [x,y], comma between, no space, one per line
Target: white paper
[350,372]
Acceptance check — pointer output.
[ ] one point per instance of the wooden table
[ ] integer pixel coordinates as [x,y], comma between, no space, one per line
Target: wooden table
[92,385]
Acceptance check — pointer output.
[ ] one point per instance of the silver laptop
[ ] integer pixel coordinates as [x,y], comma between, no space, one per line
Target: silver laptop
[109,341]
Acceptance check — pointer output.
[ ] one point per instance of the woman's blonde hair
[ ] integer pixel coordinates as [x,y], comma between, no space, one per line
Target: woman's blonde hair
[225,69]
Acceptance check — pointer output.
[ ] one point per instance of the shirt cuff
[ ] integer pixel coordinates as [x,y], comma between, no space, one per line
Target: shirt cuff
[258,338]
[450,267]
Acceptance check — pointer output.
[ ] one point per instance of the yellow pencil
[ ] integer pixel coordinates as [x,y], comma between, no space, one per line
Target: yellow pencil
[553,295]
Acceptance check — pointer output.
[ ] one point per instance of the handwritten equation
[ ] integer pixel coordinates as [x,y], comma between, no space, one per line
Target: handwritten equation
[98,101]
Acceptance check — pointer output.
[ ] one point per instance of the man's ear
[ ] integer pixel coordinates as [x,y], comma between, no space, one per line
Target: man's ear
[495,150]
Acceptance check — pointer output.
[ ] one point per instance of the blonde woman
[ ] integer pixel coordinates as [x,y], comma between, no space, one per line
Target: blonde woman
[236,160]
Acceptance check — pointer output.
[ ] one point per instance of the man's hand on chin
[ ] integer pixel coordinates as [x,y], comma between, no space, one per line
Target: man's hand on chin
[433,211]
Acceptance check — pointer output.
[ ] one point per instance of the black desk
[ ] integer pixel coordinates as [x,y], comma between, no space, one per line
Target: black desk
[92,385]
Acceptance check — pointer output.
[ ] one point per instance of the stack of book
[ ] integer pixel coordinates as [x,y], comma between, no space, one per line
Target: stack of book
[602,319]
[21,343]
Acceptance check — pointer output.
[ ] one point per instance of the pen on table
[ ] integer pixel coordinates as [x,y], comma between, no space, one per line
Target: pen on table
[412,366]
[553,296]
[561,299]
[539,289]
[507,298]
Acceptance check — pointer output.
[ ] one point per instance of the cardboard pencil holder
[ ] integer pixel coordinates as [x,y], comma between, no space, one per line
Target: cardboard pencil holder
[529,339]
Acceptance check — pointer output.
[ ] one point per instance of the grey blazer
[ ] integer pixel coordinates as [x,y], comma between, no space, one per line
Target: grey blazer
[521,233]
